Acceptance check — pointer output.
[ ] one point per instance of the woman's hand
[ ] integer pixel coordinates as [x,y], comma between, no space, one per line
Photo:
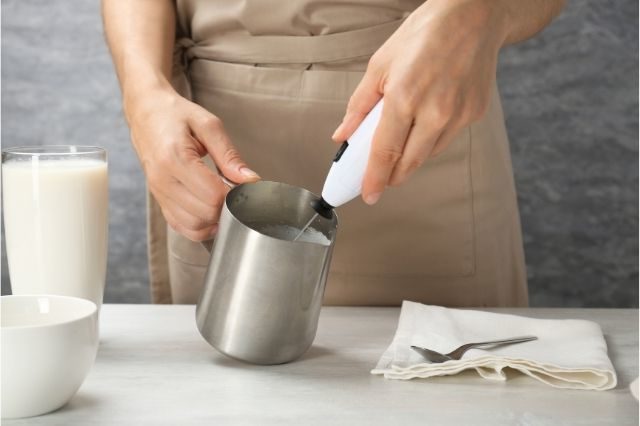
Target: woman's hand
[435,73]
[171,135]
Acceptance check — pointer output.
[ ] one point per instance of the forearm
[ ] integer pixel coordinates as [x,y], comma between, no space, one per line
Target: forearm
[141,36]
[525,18]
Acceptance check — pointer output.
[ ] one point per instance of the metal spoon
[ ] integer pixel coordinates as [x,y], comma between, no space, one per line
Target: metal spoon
[437,357]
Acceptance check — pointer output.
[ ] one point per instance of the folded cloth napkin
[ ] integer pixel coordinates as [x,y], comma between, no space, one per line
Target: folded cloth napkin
[570,354]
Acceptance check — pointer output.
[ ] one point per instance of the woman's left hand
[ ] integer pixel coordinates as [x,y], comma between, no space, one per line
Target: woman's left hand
[436,74]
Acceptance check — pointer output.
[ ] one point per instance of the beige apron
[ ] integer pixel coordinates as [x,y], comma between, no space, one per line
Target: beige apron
[279,75]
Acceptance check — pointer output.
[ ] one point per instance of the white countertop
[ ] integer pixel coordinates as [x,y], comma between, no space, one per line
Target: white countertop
[154,368]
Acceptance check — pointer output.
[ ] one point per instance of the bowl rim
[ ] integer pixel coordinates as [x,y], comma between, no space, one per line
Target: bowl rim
[93,310]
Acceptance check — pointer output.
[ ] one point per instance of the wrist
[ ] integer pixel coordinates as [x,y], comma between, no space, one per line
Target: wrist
[489,17]
[494,15]
[140,93]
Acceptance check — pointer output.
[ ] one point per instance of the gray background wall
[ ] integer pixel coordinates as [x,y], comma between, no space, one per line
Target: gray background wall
[571,100]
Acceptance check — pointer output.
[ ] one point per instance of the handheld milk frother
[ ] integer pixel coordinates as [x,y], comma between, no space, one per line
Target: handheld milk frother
[344,181]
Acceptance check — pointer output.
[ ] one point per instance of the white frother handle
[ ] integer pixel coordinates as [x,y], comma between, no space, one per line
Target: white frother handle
[344,181]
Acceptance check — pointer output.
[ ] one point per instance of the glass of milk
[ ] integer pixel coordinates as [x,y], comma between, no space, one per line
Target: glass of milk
[55,202]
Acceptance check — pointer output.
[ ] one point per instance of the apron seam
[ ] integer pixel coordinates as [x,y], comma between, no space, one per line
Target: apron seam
[205,87]
[472,204]
[260,64]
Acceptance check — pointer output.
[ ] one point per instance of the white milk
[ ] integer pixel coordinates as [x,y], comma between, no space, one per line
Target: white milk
[56,219]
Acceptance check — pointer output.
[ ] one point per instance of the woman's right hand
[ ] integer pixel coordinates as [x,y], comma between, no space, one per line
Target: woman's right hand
[171,135]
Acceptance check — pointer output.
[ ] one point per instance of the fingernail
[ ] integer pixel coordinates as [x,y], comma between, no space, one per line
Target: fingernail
[371,199]
[247,172]
[214,230]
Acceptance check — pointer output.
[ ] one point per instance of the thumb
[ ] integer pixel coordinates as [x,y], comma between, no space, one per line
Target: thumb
[211,133]
[364,98]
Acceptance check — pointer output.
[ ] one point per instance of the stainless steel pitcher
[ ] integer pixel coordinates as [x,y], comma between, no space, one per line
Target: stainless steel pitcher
[263,292]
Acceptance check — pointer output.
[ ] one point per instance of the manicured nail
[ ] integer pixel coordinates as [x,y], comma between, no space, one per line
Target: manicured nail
[247,172]
[371,199]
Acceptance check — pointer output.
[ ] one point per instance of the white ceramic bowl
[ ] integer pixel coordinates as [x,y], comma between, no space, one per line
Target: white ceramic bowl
[49,344]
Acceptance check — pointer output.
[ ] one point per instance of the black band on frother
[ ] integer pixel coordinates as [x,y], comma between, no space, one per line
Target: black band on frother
[323,208]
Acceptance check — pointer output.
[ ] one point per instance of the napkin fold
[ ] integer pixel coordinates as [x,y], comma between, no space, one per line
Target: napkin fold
[569,354]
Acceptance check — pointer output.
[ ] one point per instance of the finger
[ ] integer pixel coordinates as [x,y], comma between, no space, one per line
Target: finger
[211,133]
[199,179]
[206,211]
[386,149]
[420,143]
[445,140]
[183,223]
[364,98]
[184,164]
[193,236]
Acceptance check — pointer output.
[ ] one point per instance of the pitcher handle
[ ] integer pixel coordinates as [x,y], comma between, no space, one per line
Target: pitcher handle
[208,244]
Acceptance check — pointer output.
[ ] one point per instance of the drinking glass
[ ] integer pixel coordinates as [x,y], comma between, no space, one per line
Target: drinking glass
[56,219]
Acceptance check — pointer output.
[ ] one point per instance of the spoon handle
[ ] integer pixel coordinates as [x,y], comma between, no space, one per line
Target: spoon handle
[502,341]
[457,354]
